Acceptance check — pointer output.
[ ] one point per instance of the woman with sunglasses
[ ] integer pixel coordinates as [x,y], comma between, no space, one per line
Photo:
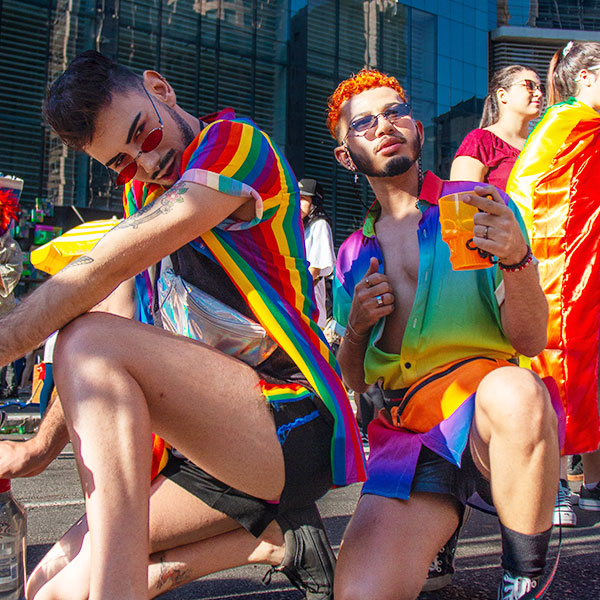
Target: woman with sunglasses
[555,183]
[488,153]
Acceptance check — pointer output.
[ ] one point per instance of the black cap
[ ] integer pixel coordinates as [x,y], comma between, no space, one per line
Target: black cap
[311,187]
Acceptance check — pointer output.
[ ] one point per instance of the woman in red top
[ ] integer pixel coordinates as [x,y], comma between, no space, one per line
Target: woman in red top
[488,154]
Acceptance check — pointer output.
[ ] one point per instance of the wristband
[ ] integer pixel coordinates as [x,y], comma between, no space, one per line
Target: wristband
[520,265]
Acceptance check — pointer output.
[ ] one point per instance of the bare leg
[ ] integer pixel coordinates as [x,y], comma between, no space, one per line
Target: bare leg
[389,545]
[132,379]
[514,438]
[202,541]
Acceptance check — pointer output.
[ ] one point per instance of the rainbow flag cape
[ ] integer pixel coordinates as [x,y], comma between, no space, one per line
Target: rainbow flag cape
[555,182]
[265,259]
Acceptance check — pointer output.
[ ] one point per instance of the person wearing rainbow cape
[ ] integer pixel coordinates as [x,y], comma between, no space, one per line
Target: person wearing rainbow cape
[555,182]
[256,446]
[460,417]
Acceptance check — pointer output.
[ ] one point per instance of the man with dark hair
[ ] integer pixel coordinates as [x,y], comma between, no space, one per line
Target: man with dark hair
[460,417]
[259,436]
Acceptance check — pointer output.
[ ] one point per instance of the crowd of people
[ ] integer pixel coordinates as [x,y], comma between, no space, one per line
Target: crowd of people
[176,485]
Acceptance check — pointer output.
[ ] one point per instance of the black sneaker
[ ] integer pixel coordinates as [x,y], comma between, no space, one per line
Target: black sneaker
[589,499]
[309,562]
[442,569]
[519,588]
[575,468]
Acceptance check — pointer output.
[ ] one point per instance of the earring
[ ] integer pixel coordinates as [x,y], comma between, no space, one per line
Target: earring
[420,175]
[355,177]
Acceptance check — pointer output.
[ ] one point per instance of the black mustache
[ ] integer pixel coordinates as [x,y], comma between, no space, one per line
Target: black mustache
[163,163]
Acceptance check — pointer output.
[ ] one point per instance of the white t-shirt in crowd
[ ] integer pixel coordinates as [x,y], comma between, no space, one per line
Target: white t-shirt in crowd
[320,255]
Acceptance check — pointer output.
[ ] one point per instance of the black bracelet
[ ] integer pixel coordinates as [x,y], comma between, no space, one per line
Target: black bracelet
[520,265]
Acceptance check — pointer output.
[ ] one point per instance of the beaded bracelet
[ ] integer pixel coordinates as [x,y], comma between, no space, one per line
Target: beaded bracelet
[520,265]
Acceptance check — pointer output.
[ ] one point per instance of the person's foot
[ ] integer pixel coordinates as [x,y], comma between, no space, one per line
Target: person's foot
[441,569]
[575,468]
[564,515]
[309,562]
[589,499]
[518,588]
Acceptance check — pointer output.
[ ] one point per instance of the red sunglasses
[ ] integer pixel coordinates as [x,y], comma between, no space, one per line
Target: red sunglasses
[151,141]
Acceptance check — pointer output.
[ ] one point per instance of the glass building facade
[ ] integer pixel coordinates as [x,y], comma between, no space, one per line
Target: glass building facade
[276,61]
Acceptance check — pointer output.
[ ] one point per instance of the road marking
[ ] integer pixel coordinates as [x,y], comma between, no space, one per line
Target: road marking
[51,503]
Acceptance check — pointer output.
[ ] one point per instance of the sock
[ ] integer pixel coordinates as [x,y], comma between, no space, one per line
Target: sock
[591,485]
[524,555]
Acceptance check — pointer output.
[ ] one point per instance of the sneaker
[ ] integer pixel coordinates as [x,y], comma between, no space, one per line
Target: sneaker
[309,562]
[564,515]
[589,499]
[518,588]
[442,569]
[575,468]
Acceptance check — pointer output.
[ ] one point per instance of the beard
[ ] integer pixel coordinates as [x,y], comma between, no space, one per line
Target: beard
[184,129]
[398,165]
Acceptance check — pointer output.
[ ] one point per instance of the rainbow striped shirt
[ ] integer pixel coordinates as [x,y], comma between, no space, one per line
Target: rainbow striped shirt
[265,259]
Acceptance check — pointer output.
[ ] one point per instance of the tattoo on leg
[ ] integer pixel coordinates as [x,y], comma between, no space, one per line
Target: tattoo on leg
[82,260]
[161,206]
[169,576]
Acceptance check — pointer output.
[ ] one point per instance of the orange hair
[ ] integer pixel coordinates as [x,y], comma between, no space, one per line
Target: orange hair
[365,79]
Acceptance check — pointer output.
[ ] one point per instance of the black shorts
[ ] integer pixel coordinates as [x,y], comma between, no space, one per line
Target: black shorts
[305,438]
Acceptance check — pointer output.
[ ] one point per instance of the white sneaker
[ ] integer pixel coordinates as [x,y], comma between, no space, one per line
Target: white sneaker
[564,515]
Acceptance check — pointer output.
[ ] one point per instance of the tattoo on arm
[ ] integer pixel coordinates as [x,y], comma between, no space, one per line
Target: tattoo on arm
[160,206]
[169,576]
[82,260]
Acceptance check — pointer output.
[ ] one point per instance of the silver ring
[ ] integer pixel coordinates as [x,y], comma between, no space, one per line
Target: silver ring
[379,300]
[367,282]
[485,235]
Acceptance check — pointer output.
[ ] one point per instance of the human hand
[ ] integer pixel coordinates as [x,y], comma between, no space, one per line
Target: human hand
[22,459]
[373,299]
[496,228]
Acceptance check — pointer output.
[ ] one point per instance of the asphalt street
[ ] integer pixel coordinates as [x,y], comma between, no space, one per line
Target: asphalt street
[54,501]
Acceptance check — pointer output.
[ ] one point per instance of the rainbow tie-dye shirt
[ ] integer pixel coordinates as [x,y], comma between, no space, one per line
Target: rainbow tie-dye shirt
[265,259]
[455,315]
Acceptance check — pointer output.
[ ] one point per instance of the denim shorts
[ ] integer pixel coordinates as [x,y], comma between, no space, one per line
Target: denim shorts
[436,475]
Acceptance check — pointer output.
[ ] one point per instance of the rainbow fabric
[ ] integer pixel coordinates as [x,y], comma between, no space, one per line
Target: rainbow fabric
[555,182]
[265,259]
[442,328]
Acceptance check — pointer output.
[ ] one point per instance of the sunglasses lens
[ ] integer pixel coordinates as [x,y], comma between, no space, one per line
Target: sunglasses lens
[152,140]
[126,174]
[362,124]
[398,111]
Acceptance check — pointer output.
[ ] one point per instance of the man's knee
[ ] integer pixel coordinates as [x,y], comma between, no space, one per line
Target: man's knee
[516,399]
[86,339]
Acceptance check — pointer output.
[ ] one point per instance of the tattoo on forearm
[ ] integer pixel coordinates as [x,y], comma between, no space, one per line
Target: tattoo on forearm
[160,206]
[82,260]
[169,576]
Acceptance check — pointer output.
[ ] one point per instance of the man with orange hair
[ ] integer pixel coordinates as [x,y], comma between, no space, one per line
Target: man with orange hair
[460,417]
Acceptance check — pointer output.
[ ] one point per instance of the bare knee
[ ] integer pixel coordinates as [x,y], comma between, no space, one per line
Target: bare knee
[87,343]
[516,401]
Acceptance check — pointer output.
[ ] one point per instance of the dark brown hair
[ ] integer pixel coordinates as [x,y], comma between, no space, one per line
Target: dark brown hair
[502,79]
[74,100]
[565,66]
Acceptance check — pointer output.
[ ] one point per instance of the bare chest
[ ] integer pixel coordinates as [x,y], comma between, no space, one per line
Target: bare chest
[400,249]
